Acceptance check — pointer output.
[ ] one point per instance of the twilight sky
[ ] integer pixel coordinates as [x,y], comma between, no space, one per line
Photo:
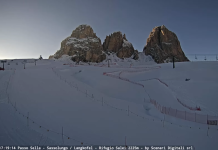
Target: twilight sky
[32,28]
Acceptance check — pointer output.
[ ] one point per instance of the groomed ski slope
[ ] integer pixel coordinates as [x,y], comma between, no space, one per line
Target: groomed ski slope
[94,109]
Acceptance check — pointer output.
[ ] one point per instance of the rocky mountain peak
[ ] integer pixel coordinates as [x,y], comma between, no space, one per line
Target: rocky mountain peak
[113,42]
[82,45]
[117,43]
[124,37]
[162,44]
[83,31]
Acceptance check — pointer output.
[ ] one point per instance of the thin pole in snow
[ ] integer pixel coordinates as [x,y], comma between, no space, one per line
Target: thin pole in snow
[7,87]
[63,134]
[195,117]
[173,62]
[148,95]
[207,129]
[125,141]
[40,139]
[28,119]
[3,65]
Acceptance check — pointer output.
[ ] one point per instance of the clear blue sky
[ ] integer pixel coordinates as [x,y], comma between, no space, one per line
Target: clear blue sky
[31,28]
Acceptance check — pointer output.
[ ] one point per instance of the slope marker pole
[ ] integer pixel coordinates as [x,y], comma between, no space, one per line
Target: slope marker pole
[63,134]
[125,141]
[28,119]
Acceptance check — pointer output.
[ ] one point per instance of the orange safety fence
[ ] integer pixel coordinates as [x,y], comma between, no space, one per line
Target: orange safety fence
[194,117]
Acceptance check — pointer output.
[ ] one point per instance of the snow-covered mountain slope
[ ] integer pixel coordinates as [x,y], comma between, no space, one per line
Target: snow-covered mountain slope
[143,59]
[95,108]
[114,60]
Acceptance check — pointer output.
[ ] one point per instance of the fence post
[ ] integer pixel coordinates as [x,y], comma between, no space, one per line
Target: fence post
[63,134]
[207,119]
[173,62]
[195,117]
[28,119]
[207,129]
[125,140]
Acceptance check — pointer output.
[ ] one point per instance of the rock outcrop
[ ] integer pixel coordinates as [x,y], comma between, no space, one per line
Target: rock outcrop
[136,55]
[51,57]
[162,45]
[82,45]
[118,44]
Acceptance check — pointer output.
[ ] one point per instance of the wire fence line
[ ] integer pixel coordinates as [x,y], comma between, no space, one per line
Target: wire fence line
[206,119]
[128,111]
[189,107]
[35,123]
[89,97]
[194,117]
[146,69]
[130,71]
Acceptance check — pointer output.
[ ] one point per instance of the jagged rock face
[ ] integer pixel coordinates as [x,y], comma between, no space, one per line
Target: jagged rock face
[136,55]
[51,57]
[83,31]
[118,44]
[162,44]
[83,45]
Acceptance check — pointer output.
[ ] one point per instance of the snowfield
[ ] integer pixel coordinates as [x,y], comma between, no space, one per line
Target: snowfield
[59,103]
